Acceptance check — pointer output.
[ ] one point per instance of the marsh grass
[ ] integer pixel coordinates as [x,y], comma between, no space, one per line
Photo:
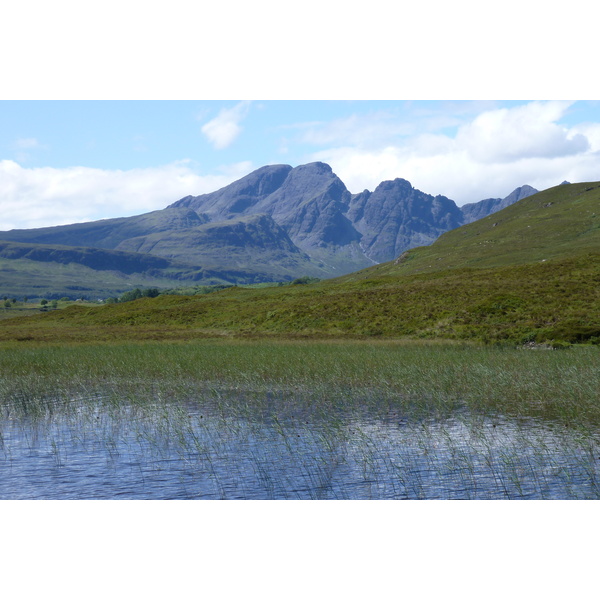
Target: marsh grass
[316,420]
[419,379]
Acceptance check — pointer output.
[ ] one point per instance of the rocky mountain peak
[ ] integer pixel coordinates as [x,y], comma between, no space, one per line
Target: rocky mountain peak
[477,210]
[398,185]
[240,196]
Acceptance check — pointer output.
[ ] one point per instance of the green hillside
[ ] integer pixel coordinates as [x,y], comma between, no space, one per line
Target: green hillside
[529,273]
[561,222]
[53,271]
[247,250]
[254,244]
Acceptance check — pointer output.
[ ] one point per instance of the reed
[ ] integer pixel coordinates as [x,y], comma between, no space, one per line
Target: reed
[426,379]
[301,419]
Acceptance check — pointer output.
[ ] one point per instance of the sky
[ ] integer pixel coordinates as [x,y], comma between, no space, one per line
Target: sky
[64,161]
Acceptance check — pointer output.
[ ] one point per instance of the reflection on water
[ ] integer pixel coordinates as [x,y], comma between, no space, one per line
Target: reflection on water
[198,451]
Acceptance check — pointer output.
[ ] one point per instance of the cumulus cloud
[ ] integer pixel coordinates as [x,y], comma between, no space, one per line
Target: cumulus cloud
[488,156]
[527,131]
[225,127]
[39,197]
[591,131]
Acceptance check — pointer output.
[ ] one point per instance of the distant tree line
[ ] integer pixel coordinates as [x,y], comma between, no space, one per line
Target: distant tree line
[44,304]
[191,291]
[304,280]
[134,295]
[12,302]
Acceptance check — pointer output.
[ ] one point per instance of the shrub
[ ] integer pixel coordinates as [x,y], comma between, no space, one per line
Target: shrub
[558,345]
[304,280]
[575,332]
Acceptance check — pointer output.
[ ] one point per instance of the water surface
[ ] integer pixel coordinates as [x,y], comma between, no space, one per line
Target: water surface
[200,449]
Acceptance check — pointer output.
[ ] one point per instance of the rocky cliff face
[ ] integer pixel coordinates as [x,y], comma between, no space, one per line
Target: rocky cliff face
[240,197]
[396,217]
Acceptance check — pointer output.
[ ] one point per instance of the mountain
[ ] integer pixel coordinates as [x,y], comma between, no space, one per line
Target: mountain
[477,210]
[246,250]
[53,271]
[309,202]
[276,223]
[93,258]
[323,218]
[561,222]
[396,216]
[239,196]
[529,274]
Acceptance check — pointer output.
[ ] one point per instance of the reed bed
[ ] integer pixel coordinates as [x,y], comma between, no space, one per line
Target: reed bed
[233,419]
[431,379]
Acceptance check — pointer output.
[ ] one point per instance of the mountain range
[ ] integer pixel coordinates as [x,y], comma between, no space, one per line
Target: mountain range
[277,223]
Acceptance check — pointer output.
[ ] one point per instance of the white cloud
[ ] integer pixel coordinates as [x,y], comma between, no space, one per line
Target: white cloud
[527,131]
[592,133]
[225,127]
[495,152]
[40,197]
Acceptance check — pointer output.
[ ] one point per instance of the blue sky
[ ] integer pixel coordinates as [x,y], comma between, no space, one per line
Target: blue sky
[67,161]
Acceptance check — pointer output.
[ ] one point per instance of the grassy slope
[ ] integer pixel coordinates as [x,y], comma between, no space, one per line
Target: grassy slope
[535,275]
[563,221]
[24,277]
[251,244]
[56,271]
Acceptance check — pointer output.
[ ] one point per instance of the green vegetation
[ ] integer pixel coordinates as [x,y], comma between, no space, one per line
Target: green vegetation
[246,250]
[135,295]
[428,379]
[14,308]
[54,280]
[305,280]
[553,301]
[435,346]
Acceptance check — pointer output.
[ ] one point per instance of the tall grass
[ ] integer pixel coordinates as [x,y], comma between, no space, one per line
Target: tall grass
[431,379]
[233,419]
